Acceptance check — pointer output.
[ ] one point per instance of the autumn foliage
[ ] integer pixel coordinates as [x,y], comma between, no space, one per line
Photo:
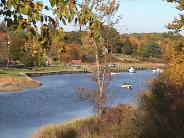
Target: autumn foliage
[65,52]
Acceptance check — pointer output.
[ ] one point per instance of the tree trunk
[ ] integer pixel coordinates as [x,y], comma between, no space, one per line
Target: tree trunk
[100,82]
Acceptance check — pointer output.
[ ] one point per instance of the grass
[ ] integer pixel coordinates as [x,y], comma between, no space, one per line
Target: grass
[115,123]
[53,69]
[137,59]
[124,66]
[14,80]
[12,72]
[10,84]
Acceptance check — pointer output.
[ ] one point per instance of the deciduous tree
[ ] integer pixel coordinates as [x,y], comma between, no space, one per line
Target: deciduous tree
[177,24]
[111,38]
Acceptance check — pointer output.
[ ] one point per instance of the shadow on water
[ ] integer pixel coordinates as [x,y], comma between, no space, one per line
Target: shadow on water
[56,101]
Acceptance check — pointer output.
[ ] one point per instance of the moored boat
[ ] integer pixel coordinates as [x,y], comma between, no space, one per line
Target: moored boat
[114,73]
[127,86]
[158,70]
[131,70]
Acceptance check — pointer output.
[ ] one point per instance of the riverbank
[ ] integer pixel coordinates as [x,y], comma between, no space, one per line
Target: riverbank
[16,80]
[113,123]
[16,84]
[123,67]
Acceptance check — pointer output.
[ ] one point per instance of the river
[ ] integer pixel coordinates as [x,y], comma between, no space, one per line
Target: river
[56,101]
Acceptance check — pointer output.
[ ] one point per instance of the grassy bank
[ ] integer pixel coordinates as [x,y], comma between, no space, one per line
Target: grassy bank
[14,80]
[121,67]
[15,84]
[112,124]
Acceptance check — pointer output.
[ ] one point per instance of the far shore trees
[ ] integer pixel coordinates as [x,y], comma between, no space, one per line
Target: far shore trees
[111,38]
[151,50]
[128,48]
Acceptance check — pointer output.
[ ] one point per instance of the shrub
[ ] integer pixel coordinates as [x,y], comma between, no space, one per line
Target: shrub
[111,124]
[56,131]
[165,108]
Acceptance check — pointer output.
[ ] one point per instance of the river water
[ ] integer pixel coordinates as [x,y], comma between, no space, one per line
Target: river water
[56,101]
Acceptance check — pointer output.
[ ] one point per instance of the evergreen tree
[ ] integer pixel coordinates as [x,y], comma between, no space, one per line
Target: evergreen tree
[143,51]
[152,50]
[128,48]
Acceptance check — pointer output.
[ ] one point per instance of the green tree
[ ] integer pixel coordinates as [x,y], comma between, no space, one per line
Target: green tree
[151,50]
[143,50]
[128,48]
[154,50]
[33,54]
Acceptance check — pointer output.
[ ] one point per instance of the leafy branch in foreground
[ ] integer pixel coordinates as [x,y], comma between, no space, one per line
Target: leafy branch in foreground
[178,23]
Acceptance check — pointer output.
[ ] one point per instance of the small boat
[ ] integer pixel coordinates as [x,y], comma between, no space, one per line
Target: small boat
[131,70]
[127,86]
[114,73]
[158,70]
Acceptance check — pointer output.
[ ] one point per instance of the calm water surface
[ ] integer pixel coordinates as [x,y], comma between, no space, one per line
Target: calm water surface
[56,101]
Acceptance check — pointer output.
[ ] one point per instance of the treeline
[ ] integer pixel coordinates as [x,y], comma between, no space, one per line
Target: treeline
[137,44]
[77,46]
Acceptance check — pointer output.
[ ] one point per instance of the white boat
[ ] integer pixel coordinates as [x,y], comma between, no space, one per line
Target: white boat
[114,73]
[131,70]
[127,86]
[158,70]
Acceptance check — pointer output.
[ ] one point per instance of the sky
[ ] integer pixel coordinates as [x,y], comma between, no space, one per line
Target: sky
[143,16]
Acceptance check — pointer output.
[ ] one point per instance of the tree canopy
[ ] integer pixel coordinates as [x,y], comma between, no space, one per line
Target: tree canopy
[177,24]
[111,37]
